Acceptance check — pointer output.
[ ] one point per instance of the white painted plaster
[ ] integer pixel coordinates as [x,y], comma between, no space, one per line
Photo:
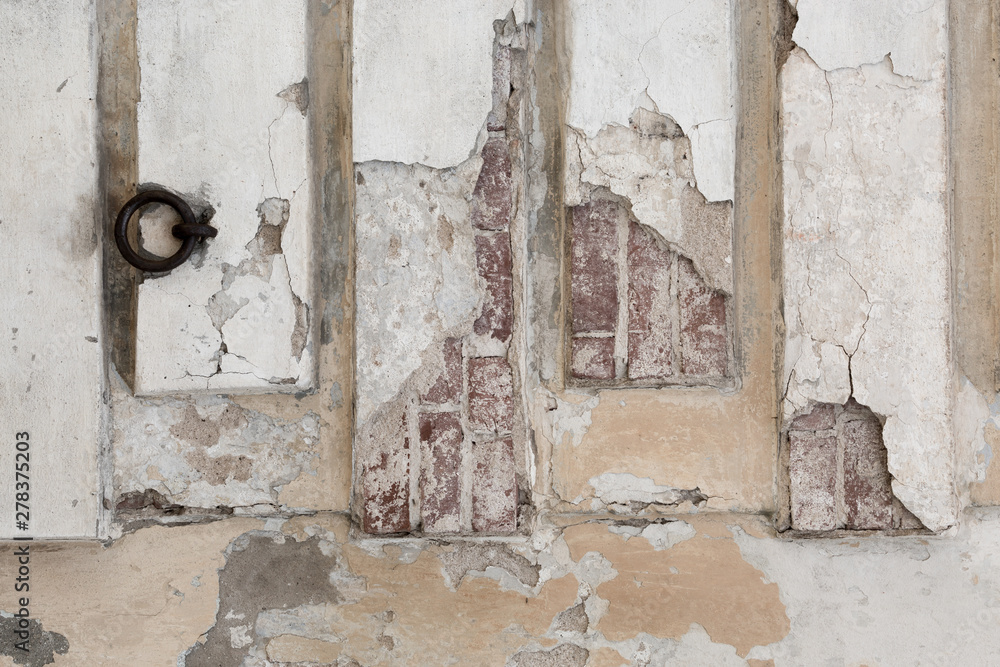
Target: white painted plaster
[423,78]
[851,33]
[671,56]
[972,416]
[565,414]
[50,268]
[866,253]
[885,601]
[220,123]
[622,488]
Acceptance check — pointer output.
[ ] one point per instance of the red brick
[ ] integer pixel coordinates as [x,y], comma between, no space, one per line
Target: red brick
[594,268]
[650,328]
[448,387]
[385,482]
[491,395]
[705,350]
[494,486]
[593,358]
[493,261]
[821,418]
[492,195]
[867,488]
[441,457]
[813,473]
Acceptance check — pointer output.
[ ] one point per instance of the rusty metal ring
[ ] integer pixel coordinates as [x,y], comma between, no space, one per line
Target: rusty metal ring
[189,231]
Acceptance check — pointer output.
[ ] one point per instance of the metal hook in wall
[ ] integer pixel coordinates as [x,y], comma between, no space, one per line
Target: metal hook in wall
[189,231]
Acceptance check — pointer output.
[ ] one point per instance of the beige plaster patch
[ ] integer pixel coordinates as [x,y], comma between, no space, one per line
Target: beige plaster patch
[707,443]
[484,623]
[987,492]
[606,657]
[703,580]
[141,601]
[291,648]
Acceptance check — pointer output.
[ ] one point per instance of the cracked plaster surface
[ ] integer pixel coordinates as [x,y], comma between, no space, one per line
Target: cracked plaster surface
[235,317]
[440,54]
[417,281]
[672,56]
[866,242]
[649,163]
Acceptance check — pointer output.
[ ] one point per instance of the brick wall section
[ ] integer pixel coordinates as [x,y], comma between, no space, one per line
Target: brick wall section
[594,358]
[491,395]
[494,263]
[385,484]
[650,307]
[441,454]
[448,387]
[494,487]
[594,280]
[813,487]
[703,324]
[677,329]
[465,420]
[838,472]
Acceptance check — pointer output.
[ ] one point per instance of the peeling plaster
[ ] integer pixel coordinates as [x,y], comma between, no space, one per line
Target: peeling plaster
[649,163]
[207,451]
[855,32]
[564,414]
[415,286]
[865,201]
[671,56]
[236,317]
[626,490]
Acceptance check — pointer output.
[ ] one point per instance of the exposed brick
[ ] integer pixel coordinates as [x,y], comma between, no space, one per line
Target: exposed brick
[650,344]
[385,483]
[703,324]
[821,418]
[594,269]
[491,395]
[493,261]
[593,358]
[448,387]
[492,195]
[494,486]
[867,489]
[441,456]
[813,473]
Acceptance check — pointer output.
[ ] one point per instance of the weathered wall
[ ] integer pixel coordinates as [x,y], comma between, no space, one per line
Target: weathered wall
[652,337]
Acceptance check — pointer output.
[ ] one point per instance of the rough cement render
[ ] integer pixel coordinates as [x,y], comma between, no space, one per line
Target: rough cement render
[674,57]
[46,646]
[209,452]
[867,271]
[417,282]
